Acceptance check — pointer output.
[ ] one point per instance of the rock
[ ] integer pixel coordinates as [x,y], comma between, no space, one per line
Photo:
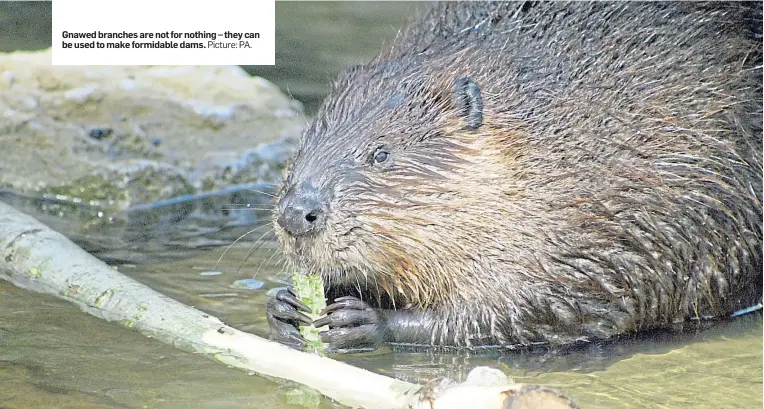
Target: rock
[474,393]
[537,397]
[486,376]
[99,151]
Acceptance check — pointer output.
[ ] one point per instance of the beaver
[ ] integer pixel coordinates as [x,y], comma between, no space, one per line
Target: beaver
[514,174]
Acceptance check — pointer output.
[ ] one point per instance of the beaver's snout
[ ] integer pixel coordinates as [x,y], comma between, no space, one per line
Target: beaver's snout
[302,210]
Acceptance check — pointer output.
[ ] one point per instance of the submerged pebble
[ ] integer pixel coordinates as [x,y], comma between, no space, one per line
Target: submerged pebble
[248,284]
[100,133]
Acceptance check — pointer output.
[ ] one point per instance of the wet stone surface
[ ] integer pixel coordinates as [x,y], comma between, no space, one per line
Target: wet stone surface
[114,155]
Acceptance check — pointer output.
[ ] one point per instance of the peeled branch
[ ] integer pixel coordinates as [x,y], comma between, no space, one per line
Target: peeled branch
[310,290]
[34,257]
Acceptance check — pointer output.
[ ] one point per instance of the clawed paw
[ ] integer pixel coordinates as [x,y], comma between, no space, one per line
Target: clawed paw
[285,314]
[353,325]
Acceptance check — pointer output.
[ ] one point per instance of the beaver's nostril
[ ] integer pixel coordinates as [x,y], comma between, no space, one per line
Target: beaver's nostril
[312,216]
[301,211]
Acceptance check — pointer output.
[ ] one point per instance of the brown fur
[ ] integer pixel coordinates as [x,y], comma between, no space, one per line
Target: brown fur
[615,183]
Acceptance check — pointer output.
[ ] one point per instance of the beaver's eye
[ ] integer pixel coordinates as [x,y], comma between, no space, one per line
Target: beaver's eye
[381,156]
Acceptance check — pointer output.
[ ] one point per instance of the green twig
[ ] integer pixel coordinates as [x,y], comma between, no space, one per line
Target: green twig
[310,289]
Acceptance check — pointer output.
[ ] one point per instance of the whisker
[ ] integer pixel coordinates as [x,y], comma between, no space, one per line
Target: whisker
[327,283]
[358,287]
[263,262]
[256,246]
[261,192]
[237,240]
[249,205]
[267,208]
[284,275]
[278,265]
[281,260]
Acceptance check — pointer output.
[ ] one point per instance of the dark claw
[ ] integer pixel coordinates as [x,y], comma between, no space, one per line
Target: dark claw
[345,302]
[353,326]
[285,333]
[283,311]
[350,338]
[347,317]
[284,318]
[290,297]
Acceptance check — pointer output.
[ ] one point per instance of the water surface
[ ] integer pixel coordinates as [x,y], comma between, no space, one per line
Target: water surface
[53,355]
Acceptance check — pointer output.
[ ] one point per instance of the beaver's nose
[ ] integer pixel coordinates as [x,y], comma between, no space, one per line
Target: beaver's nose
[301,210]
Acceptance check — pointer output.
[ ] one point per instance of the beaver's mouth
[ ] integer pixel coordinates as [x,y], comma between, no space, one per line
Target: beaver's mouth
[299,250]
[321,253]
[306,252]
[316,238]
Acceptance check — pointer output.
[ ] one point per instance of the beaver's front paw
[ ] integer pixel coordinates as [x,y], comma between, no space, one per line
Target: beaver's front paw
[284,318]
[353,326]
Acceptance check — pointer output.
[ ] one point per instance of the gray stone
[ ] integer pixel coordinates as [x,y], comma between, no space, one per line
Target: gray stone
[98,152]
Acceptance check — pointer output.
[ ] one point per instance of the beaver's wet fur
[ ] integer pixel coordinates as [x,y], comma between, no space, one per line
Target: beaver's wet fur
[515,173]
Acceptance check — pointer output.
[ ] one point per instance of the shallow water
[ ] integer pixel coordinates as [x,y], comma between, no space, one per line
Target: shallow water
[53,355]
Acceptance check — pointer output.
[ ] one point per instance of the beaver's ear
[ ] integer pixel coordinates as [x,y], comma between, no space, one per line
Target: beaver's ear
[468,101]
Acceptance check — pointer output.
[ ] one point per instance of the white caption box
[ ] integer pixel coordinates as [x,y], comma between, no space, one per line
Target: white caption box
[164,32]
